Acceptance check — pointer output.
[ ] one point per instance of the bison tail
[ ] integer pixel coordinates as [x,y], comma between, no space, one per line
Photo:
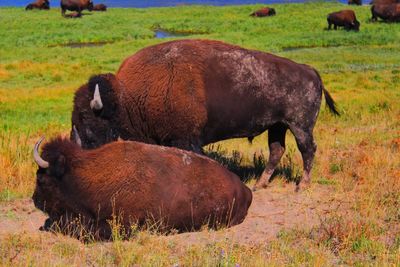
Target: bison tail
[330,102]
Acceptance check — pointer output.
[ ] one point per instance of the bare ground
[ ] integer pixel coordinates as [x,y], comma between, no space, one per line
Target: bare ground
[273,209]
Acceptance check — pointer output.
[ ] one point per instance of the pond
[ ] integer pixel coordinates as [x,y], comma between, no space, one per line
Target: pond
[161,3]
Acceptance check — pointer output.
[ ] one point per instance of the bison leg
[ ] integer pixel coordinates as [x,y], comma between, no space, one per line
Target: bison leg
[335,27]
[276,143]
[62,11]
[305,143]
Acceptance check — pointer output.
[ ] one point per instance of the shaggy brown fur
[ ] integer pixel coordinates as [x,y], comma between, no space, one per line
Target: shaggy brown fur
[38,4]
[75,5]
[344,18]
[390,13]
[384,2]
[264,12]
[100,7]
[139,182]
[190,93]
[354,2]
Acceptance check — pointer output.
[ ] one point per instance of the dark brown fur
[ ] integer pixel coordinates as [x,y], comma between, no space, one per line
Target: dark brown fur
[139,182]
[390,12]
[354,2]
[190,93]
[100,7]
[264,12]
[75,5]
[38,4]
[344,18]
[384,2]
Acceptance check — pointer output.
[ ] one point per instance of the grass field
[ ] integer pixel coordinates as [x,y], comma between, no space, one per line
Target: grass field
[358,153]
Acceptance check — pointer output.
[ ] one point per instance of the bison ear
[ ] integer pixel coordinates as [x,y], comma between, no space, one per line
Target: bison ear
[103,100]
[58,168]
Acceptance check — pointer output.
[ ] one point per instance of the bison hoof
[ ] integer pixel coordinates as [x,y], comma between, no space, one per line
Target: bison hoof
[258,186]
[302,186]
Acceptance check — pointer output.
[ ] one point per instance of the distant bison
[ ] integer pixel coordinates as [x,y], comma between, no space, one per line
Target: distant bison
[38,4]
[354,2]
[137,184]
[390,13]
[190,93]
[100,7]
[263,12]
[76,5]
[384,2]
[343,18]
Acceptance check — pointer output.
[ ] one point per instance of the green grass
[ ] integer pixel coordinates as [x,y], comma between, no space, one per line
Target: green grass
[358,153]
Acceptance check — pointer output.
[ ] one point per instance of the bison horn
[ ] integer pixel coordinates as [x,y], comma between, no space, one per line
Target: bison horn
[78,140]
[96,101]
[39,161]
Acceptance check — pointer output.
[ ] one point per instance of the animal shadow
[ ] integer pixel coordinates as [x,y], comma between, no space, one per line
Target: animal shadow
[234,162]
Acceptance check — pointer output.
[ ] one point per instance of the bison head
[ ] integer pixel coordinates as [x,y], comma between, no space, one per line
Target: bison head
[90,6]
[48,195]
[95,116]
[356,25]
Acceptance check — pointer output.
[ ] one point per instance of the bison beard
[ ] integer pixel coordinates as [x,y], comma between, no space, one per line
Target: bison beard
[190,93]
[85,192]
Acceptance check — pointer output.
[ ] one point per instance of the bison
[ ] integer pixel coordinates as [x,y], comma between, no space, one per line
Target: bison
[137,184]
[354,2]
[76,5]
[100,7]
[190,93]
[390,13]
[38,4]
[384,2]
[264,12]
[343,18]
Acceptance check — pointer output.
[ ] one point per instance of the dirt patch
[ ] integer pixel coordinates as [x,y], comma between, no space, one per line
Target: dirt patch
[273,209]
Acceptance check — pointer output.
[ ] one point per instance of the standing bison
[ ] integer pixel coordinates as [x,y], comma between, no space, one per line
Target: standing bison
[76,5]
[190,93]
[138,183]
[343,18]
[38,4]
[390,13]
[264,12]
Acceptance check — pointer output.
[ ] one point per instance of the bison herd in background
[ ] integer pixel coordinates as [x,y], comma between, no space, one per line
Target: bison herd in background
[387,10]
[72,5]
[135,154]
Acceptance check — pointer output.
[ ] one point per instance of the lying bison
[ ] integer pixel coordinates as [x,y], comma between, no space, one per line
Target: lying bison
[190,93]
[136,183]
[76,5]
[390,13]
[354,2]
[100,7]
[38,4]
[343,18]
[264,12]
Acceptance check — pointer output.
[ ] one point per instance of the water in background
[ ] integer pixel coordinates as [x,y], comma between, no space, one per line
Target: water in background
[160,3]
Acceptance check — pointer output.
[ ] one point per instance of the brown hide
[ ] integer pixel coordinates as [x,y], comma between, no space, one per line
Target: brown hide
[263,12]
[384,2]
[140,182]
[100,7]
[38,4]
[354,2]
[390,12]
[76,5]
[344,18]
[190,93]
